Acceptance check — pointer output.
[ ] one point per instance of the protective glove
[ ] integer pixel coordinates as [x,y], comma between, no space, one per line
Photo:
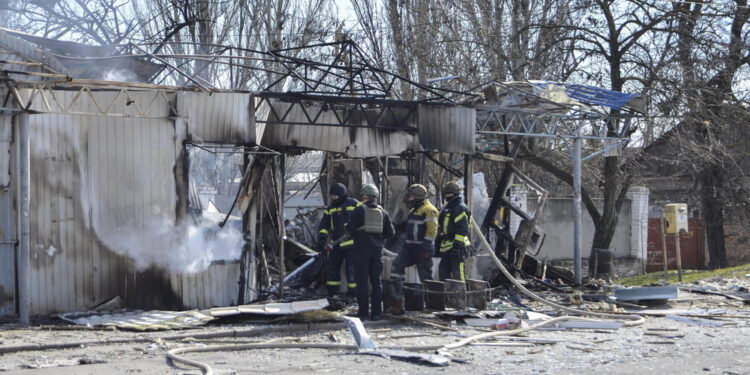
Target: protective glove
[321,244]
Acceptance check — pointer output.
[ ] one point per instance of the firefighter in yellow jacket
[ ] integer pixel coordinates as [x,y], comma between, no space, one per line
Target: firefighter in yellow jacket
[453,238]
[421,229]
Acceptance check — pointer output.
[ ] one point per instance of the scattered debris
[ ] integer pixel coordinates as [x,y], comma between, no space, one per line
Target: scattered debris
[140,320]
[583,324]
[653,293]
[456,315]
[581,348]
[113,304]
[165,320]
[664,335]
[744,297]
[367,346]
[695,321]
[270,308]
[505,344]
[424,322]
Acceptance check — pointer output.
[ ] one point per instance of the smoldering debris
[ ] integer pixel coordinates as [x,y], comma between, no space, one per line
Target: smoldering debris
[177,247]
[120,75]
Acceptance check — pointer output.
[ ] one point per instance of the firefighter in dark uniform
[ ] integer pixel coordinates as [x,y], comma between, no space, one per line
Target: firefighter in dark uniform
[369,225]
[453,235]
[331,229]
[421,230]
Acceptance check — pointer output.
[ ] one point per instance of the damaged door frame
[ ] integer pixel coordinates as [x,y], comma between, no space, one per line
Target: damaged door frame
[245,200]
[569,128]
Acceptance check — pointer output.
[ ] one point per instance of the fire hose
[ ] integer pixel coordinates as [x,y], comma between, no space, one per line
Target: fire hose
[633,320]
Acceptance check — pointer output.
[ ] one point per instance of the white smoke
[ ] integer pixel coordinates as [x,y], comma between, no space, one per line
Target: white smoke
[120,75]
[175,247]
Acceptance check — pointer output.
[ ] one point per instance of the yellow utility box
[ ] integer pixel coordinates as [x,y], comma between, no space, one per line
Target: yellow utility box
[676,218]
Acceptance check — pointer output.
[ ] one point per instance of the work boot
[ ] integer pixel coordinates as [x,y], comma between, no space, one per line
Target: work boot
[351,294]
[388,298]
[335,304]
[333,291]
[393,296]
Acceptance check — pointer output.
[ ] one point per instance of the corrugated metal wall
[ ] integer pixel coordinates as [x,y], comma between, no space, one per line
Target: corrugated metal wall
[219,117]
[7,232]
[209,288]
[447,129]
[96,179]
[355,142]
[6,137]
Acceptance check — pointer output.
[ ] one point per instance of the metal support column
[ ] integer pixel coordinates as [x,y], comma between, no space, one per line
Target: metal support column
[468,180]
[577,209]
[282,230]
[24,194]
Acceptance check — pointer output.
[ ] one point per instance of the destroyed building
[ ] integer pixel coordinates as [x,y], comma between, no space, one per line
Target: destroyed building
[97,198]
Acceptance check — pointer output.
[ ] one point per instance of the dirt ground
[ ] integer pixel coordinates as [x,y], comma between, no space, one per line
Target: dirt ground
[660,346]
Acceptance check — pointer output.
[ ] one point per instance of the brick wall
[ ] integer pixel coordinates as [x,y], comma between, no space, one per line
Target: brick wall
[737,241]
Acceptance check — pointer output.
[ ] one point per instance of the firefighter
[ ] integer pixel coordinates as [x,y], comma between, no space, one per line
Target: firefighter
[421,230]
[369,225]
[454,234]
[330,230]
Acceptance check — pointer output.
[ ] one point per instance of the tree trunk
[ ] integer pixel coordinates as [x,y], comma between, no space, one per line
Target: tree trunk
[712,181]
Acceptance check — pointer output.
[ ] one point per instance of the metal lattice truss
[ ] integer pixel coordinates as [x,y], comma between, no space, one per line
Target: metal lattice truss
[349,72]
[613,130]
[88,100]
[504,121]
[337,111]
[335,84]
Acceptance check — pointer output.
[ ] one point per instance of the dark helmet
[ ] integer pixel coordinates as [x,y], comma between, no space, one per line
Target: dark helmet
[370,190]
[418,191]
[338,189]
[452,187]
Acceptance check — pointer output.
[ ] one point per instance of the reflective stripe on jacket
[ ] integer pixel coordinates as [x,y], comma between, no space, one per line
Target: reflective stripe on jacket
[454,225]
[334,219]
[422,224]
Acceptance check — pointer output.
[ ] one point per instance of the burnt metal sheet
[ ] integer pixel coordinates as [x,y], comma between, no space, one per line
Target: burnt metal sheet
[270,308]
[94,178]
[218,117]
[71,57]
[215,286]
[261,113]
[8,250]
[27,51]
[6,137]
[355,139]
[368,347]
[447,129]
[140,320]
[104,168]
[646,293]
